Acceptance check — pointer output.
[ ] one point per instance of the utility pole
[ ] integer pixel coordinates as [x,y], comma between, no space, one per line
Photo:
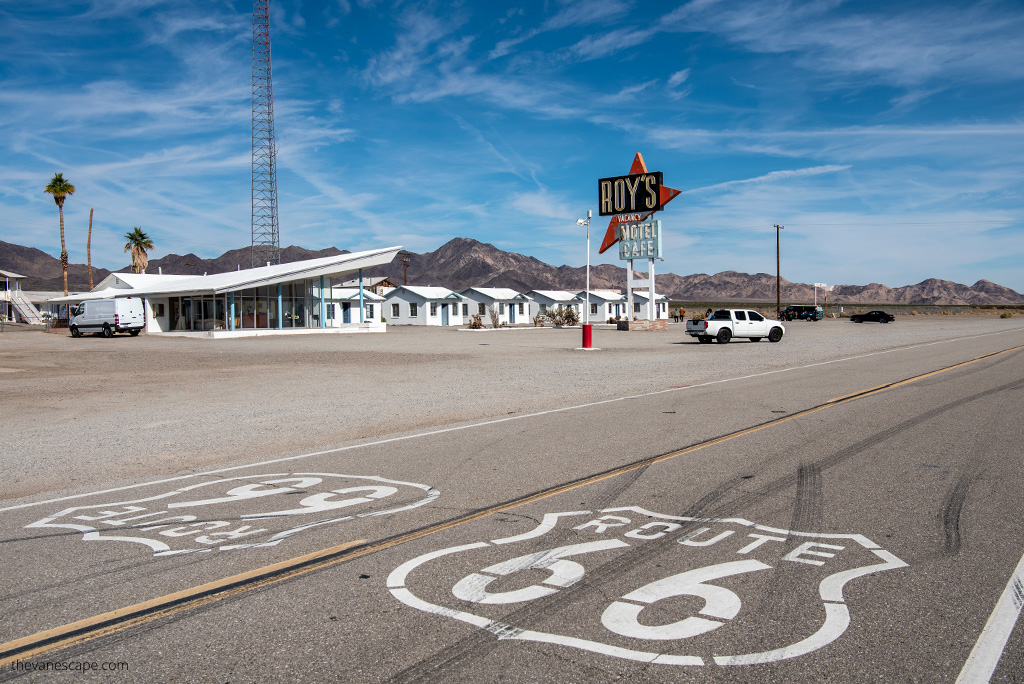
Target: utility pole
[405,266]
[190,267]
[778,282]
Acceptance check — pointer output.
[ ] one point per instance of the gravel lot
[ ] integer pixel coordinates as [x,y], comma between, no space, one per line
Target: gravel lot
[78,413]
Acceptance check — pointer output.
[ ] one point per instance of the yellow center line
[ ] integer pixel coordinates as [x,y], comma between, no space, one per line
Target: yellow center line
[123,618]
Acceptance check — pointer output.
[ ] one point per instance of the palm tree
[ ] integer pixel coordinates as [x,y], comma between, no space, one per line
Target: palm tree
[138,244]
[60,188]
[88,249]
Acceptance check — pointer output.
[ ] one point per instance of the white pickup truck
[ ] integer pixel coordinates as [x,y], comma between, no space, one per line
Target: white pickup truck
[726,324]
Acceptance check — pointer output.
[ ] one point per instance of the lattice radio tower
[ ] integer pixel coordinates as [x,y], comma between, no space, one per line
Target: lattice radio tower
[266,246]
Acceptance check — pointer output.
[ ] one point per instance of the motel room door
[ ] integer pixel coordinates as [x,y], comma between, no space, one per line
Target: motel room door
[444,314]
[512,314]
[346,314]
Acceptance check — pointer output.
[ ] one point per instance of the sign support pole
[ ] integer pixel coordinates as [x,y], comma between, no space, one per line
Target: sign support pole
[629,290]
[650,291]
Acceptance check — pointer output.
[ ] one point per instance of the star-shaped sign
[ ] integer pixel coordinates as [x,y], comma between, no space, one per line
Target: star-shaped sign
[666,195]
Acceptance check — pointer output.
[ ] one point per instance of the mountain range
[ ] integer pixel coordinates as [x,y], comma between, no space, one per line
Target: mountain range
[464,262]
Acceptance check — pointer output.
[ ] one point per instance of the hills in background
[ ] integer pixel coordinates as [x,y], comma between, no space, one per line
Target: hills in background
[463,262]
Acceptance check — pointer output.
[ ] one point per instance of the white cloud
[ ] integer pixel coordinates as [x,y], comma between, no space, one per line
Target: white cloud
[678,78]
[772,177]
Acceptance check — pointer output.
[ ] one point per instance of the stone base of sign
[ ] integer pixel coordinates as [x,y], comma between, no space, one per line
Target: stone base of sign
[660,324]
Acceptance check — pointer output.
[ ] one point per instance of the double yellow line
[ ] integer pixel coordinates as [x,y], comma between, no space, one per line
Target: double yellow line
[124,618]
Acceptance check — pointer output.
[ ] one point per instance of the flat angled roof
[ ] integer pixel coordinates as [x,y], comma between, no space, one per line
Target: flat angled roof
[220,283]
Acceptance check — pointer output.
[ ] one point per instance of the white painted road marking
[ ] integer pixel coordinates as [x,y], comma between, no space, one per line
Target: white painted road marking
[177,522]
[985,655]
[505,419]
[622,616]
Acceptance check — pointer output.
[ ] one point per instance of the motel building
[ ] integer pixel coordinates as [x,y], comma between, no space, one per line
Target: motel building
[640,298]
[604,304]
[555,299]
[513,307]
[293,298]
[421,305]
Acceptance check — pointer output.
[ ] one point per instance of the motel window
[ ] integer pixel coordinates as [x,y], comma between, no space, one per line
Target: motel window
[465,310]
[394,311]
[609,307]
[636,307]
[433,308]
[482,309]
[501,308]
[412,310]
[369,312]
[593,309]
[543,308]
[520,308]
[158,310]
[329,310]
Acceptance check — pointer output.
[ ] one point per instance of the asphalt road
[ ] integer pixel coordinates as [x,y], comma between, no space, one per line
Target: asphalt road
[845,517]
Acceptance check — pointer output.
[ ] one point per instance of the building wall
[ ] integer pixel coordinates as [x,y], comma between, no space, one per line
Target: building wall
[541,304]
[660,313]
[477,298]
[155,322]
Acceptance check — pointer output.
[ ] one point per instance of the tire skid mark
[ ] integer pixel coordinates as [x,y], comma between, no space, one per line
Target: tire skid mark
[807,507]
[950,515]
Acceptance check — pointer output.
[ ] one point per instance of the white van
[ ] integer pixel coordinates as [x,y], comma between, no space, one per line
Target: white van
[108,316]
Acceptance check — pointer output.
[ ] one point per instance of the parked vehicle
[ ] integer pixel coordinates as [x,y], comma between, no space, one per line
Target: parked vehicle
[108,316]
[803,312]
[878,316]
[725,324]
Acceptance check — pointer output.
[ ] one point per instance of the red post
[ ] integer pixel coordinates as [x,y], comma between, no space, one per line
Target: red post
[588,336]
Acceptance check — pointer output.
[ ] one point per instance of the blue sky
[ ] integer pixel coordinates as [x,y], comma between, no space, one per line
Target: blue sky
[888,138]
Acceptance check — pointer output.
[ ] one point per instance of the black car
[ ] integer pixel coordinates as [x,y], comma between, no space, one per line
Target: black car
[878,316]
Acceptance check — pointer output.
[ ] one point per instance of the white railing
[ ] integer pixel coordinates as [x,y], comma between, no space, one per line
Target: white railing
[25,308]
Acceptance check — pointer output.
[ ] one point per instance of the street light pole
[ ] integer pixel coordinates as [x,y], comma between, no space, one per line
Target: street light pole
[586,222]
[778,283]
[587,330]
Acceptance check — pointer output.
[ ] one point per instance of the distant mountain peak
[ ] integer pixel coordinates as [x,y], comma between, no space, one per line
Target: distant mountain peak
[464,262]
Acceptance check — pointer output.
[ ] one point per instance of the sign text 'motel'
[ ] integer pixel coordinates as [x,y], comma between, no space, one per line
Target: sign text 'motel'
[640,240]
[637,192]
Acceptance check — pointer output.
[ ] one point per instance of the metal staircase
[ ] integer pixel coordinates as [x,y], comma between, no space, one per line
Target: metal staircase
[25,308]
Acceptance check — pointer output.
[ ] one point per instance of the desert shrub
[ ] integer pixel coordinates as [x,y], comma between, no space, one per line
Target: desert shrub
[563,315]
[1006,314]
[492,313]
[538,320]
[475,323]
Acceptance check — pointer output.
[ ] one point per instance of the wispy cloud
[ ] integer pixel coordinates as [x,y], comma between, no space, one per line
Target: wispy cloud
[772,177]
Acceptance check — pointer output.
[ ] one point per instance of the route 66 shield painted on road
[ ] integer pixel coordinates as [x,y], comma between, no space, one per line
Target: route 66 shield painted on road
[634,584]
[239,512]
